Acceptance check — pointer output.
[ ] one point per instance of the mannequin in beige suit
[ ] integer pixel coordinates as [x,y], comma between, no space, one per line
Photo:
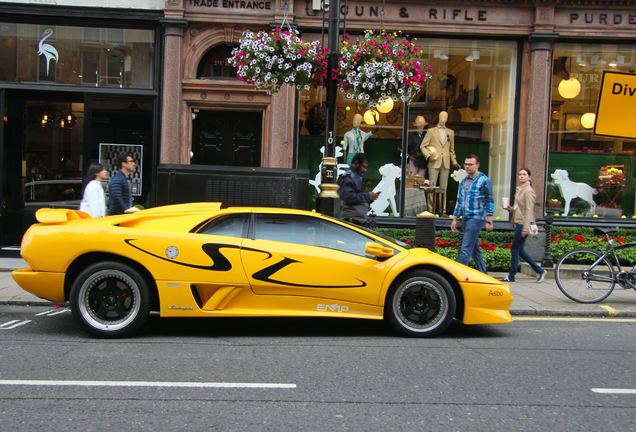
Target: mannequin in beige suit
[438,146]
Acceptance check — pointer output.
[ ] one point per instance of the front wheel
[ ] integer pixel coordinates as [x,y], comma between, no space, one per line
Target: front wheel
[584,276]
[420,304]
[110,299]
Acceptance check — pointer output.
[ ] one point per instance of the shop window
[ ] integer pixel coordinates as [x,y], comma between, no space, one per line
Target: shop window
[472,82]
[113,57]
[588,175]
[214,64]
[52,154]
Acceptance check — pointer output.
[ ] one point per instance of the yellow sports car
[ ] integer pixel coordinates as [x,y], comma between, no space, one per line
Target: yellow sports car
[199,259]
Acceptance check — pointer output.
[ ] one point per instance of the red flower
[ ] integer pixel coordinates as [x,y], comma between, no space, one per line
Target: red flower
[621,240]
[509,245]
[579,238]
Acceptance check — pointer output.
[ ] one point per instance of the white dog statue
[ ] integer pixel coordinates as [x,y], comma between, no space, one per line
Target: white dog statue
[570,190]
[386,189]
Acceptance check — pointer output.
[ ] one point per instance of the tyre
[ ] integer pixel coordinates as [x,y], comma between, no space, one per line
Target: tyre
[420,304]
[110,299]
[580,279]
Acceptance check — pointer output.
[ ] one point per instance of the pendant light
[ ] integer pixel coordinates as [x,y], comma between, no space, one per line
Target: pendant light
[571,87]
[371,117]
[588,119]
[385,105]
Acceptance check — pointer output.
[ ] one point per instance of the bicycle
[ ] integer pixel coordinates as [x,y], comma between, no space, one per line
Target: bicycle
[596,273]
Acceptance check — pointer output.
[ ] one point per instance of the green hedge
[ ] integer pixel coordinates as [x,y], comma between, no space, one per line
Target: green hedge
[495,244]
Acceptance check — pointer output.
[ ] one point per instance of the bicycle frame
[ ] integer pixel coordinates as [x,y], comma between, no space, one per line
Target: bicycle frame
[614,261]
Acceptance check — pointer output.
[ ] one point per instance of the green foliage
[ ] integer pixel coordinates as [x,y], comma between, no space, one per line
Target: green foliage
[497,260]
[495,244]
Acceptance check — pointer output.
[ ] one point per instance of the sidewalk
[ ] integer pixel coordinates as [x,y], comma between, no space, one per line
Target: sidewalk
[530,298]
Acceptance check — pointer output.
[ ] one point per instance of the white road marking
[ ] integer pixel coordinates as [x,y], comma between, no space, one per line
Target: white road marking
[52,312]
[146,384]
[614,390]
[13,324]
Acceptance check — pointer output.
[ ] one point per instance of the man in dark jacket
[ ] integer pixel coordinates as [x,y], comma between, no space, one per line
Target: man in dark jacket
[355,201]
[119,196]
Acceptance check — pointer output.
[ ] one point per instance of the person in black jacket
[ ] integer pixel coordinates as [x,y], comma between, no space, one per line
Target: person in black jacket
[417,161]
[355,201]
[119,189]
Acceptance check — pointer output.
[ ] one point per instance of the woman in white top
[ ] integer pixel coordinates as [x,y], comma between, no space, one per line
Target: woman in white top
[93,200]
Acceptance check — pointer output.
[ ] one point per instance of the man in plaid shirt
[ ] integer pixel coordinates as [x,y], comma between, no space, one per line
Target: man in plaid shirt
[475,205]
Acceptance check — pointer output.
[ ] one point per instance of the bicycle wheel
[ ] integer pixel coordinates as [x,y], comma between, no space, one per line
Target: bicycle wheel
[580,279]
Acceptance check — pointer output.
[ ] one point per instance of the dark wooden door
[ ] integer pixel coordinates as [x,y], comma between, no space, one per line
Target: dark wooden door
[227,138]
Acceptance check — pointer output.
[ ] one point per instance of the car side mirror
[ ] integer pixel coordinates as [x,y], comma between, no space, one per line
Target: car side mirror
[377,250]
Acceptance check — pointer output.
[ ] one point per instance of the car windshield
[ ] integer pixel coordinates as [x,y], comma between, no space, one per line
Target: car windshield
[379,234]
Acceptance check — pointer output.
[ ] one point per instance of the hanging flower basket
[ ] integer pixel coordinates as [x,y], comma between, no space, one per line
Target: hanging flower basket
[270,59]
[381,65]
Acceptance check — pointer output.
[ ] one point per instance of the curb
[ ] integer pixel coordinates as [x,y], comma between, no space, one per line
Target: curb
[571,313]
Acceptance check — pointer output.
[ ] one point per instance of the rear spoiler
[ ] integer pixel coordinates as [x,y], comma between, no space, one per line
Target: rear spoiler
[59,215]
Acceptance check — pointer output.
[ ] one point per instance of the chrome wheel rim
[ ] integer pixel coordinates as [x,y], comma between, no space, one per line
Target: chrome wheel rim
[109,300]
[420,305]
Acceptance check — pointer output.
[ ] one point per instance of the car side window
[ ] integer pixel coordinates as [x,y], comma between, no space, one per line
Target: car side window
[341,238]
[228,226]
[310,231]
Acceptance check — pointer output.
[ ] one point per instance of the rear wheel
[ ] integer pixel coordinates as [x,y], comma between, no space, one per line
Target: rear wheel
[421,304]
[110,299]
[584,276]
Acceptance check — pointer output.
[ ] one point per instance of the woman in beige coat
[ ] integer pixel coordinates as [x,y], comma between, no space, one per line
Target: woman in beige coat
[522,216]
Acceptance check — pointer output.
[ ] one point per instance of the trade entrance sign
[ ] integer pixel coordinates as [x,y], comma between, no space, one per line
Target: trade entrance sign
[616,109]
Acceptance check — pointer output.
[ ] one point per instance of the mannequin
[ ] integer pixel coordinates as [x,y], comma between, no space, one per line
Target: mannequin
[355,138]
[417,161]
[439,147]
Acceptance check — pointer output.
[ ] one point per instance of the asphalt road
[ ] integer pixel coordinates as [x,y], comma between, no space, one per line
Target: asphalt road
[319,375]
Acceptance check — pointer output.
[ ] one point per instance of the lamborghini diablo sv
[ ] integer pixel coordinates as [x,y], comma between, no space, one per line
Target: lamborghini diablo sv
[202,260]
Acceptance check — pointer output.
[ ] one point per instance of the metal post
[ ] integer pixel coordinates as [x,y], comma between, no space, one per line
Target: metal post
[548,261]
[328,201]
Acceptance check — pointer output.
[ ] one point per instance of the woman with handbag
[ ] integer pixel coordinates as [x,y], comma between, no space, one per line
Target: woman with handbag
[524,223]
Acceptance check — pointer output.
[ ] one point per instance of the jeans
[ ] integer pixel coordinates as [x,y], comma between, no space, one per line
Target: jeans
[470,244]
[516,251]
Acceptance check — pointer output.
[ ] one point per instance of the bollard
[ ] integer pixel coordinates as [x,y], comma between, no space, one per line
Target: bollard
[425,230]
[547,261]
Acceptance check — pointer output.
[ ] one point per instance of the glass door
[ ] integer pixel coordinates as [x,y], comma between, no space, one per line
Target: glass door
[43,149]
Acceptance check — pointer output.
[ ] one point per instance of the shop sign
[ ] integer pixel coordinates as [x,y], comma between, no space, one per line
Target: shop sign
[617,105]
[47,50]
[248,5]
[596,18]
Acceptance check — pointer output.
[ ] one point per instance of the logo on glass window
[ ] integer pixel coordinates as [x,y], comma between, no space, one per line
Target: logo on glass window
[47,50]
